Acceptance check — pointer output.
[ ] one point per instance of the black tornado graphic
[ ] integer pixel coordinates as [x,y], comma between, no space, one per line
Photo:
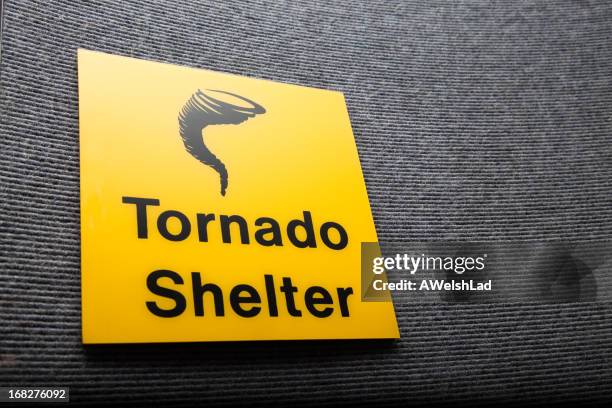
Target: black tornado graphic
[202,110]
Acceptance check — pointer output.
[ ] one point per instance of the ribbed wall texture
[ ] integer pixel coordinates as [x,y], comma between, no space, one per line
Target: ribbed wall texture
[474,120]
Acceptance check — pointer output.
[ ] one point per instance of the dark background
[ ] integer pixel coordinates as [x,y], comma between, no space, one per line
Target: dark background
[474,121]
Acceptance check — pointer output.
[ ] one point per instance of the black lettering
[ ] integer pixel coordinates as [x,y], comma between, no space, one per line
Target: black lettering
[274,229]
[198,295]
[306,224]
[203,220]
[141,212]
[272,307]
[312,301]
[341,231]
[288,289]
[343,294]
[236,299]
[153,286]
[162,225]
[226,221]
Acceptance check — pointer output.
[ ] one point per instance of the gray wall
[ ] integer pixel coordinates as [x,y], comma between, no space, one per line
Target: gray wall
[474,120]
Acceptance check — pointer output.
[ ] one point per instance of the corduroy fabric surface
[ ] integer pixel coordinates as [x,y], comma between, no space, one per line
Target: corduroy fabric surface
[474,121]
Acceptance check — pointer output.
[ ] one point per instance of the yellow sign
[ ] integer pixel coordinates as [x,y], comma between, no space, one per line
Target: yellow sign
[218,207]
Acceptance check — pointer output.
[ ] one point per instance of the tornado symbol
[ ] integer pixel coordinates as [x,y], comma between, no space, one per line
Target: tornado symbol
[202,110]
